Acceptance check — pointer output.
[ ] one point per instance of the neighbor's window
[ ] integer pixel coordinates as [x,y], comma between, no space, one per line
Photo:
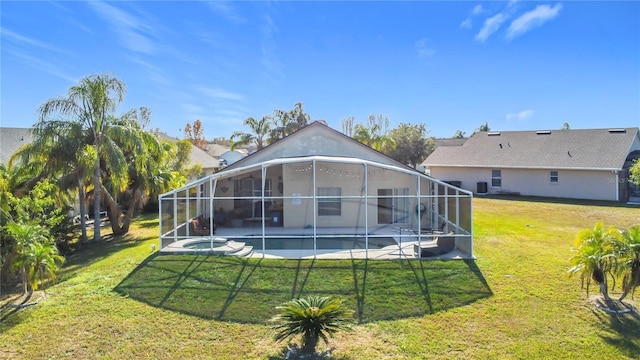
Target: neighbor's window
[553,177]
[329,202]
[496,178]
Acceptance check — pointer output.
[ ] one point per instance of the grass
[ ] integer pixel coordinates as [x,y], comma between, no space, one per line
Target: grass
[115,301]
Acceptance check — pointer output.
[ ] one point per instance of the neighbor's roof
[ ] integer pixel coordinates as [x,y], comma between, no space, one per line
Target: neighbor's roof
[603,149]
[216,150]
[197,155]
[10,141]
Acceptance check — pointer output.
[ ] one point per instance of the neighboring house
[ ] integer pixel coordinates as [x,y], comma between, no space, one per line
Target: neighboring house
[11,139]
[231,157]
[580,164]
[318,190]
[209,163]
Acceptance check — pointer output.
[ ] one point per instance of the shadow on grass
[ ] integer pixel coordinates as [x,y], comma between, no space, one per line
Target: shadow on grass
[623,331]
[248,290]
[92,252]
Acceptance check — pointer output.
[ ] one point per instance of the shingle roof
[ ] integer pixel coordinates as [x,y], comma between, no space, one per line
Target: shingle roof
[11,139]
[604,149]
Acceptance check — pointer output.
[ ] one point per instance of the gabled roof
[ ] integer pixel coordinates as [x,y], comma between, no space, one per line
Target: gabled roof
[11,139]
[602,149]
[317,139]
[215,150]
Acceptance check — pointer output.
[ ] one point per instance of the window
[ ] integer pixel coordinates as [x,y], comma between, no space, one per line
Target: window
[496,178]
[553,177]
[329,202]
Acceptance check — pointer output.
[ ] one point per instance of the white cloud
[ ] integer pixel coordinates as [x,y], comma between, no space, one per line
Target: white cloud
[24,40]
[47,66]
[220,94]
[424,51]
[532,19]
[134,33]
[224,9]
[522,115]
[490,26]
[468,22]
[270,61]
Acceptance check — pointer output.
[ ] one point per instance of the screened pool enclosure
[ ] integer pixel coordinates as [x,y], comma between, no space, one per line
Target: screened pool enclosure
[312,205]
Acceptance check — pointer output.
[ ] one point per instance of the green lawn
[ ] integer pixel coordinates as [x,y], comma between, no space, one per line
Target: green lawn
[115,301]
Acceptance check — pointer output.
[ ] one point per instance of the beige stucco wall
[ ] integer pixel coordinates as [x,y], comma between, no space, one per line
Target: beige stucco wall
[298,212]
[576,184]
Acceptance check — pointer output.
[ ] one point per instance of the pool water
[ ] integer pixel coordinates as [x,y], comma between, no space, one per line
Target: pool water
[322,243]
[198,245]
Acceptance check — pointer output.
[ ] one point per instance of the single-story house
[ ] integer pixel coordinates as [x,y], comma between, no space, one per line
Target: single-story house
[317,191]
[580,164]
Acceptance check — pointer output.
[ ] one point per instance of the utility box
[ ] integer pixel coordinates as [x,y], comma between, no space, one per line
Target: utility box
[482,187]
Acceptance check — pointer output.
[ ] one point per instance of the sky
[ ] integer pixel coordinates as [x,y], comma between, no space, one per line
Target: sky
[515,65]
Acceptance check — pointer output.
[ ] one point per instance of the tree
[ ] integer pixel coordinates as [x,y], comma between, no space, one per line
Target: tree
[314,318]
[60,150]
[482,128]
[259,131]
[34,255]
[566,126]
[374,134]
[628,264]
[347,125]
[595,256]
[459,134]
[412,144]
[92,103]
[634,172]
[148,170]
[287,122]
[195,134]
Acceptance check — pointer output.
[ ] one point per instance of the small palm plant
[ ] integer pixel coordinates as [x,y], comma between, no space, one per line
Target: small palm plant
[596,256]
[314,318]
[629,260]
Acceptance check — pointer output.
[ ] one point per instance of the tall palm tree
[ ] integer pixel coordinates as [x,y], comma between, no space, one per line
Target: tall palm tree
[148,170]
[259,131]
[314,318]
[59,151]
[596,256]
[91,103]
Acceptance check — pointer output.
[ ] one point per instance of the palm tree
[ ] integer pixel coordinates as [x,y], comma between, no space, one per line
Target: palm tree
[374,135]
[314,318]
[91,103]
[26,237]
[259,131]
[148,170]
[629,260]
[60,151]
[596,256]
[42,263]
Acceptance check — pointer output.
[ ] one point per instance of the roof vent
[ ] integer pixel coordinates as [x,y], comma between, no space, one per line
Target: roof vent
[543,132]
[617,131]
[493,133]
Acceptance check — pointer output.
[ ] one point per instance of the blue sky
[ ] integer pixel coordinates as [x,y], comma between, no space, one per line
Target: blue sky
[518,65]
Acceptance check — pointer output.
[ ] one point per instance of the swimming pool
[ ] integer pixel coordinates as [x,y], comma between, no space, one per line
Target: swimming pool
[323,243]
